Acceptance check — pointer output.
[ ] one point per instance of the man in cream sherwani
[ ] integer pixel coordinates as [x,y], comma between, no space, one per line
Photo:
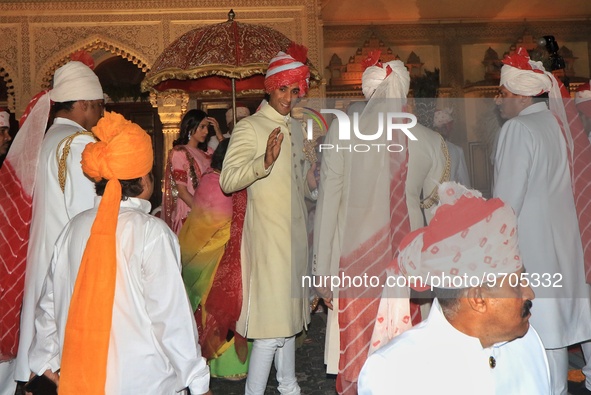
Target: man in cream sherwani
[265,156]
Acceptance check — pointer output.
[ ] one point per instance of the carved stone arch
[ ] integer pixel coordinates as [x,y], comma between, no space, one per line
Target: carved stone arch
[90,44]
[6,74]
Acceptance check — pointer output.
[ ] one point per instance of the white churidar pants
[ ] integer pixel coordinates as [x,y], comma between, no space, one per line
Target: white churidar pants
[558,363]
[264,351]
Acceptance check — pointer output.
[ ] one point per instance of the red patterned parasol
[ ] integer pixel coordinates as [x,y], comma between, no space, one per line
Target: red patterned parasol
[225,57]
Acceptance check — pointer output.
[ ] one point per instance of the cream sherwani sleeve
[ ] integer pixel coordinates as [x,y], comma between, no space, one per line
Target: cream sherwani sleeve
[242,166]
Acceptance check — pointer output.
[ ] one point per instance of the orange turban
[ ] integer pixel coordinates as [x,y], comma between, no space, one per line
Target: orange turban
[124,152]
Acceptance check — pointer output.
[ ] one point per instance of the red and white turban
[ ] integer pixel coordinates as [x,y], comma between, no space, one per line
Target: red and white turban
[288,68]
[583,99]
[523,76]
[469,241]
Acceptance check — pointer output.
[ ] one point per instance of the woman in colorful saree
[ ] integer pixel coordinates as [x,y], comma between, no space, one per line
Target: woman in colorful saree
[203,240]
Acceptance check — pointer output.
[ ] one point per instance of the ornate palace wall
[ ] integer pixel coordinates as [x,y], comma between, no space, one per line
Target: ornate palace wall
[41,35]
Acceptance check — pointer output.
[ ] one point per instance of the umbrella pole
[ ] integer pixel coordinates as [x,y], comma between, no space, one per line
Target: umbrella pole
[234,100]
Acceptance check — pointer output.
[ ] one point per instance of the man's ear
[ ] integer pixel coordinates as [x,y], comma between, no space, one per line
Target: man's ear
[147,183]
[476,300]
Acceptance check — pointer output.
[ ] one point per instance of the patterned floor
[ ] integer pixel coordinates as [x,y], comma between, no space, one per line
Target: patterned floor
[310,368]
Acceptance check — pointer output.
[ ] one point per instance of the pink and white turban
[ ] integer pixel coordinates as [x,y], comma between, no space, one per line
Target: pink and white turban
[442,117]
[469,238]
[583,99]
[523,76]
[241,112]
[288,68]
[4,119]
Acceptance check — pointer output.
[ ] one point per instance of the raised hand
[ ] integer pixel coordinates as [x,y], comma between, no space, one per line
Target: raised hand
[273,147]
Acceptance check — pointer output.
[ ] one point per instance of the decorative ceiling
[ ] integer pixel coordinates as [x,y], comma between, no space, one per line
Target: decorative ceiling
[339,12]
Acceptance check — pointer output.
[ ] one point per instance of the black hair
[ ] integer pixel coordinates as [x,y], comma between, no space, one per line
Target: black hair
[189,123]
[129,188]
[544,97]
[217,159]
[63,106]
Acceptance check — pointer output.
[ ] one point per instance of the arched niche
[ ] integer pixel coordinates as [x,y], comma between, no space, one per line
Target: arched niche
[101,48]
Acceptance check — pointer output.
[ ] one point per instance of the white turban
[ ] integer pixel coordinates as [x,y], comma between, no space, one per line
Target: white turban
[399,78]
[442,117]
[531,82]
[4,119]
[75,81]
[241,112]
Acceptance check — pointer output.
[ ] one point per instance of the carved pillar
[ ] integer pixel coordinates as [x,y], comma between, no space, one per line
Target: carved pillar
[171,106]
[452,64]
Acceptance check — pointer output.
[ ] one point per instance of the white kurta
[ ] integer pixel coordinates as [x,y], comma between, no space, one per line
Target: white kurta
[274,250]
[532,175]
[436,358]
[52,209]
[459,169]
[153,348]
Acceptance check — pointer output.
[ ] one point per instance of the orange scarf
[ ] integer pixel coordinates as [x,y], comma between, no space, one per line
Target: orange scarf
[124,152]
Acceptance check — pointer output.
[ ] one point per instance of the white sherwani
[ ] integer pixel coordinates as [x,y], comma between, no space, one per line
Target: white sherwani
[274,249]
[52,209]
[532,175]
[153,348]
[435,358]
[426,166]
